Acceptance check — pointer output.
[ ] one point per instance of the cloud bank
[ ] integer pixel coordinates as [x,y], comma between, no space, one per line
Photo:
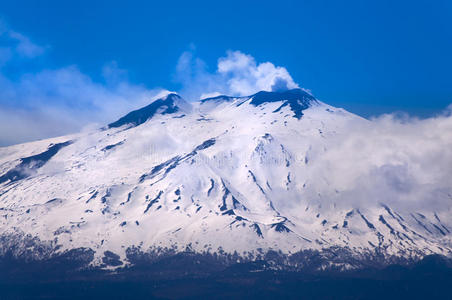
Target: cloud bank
[401,162]
[237,74]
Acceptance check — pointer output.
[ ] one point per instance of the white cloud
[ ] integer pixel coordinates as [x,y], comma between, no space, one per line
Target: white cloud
[237,74]
[17,45]
[24,46]
[245,76]
[52,102]
[61,101]
[400,162]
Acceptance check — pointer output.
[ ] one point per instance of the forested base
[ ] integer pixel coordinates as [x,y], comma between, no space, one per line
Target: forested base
[430,278]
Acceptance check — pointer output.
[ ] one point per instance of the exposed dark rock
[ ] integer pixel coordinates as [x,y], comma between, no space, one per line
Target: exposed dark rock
[137,117]
[297,99]
[29,165]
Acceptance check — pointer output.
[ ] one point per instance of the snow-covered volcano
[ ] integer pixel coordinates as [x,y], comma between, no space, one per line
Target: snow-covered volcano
[221,175]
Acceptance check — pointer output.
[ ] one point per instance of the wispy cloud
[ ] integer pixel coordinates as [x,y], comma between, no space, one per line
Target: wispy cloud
[52,102]
[17,46]
[236,74]
[61,101]
[24,46]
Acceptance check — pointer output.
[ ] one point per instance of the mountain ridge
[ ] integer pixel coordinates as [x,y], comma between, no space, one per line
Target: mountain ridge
[232,176]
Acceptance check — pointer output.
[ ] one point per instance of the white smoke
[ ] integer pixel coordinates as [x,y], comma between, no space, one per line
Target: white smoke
[237,74]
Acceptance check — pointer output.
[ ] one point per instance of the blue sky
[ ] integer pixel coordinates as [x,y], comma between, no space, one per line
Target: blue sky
[92,58]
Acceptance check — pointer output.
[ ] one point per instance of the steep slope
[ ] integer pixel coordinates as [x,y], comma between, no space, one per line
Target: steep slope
[222,175]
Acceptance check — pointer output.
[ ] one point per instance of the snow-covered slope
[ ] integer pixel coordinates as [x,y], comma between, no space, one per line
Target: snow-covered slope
[220,175]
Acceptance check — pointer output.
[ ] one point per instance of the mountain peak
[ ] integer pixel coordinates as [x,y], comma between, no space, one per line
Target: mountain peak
[219,98]
[297,99]
[168,104]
